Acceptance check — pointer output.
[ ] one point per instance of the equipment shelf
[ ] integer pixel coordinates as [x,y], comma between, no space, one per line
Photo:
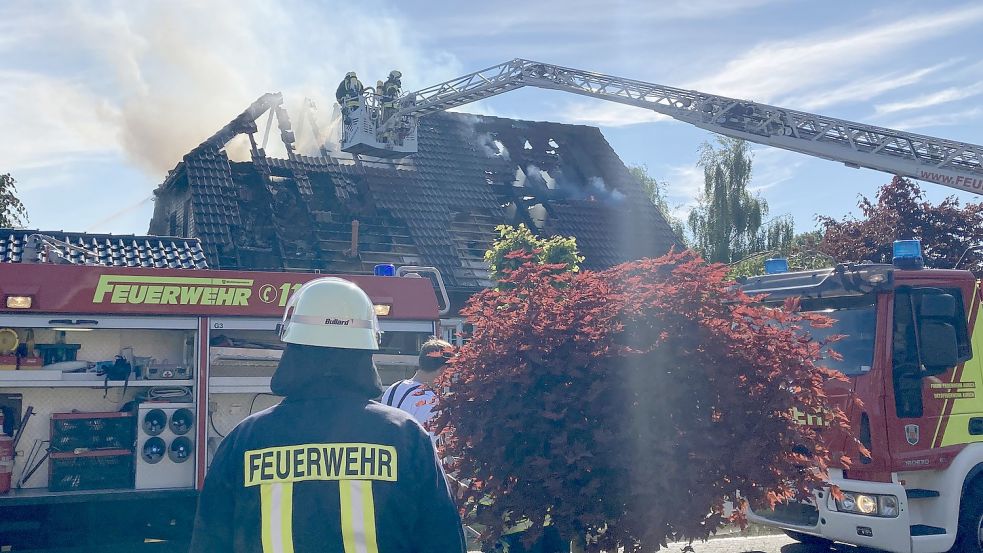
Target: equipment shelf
[41,496]
[90,383]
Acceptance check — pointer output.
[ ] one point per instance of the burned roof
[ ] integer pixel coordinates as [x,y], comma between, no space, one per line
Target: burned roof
[121,250]
[438,207]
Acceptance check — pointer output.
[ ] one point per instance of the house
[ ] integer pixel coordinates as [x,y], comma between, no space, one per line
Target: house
[337,213]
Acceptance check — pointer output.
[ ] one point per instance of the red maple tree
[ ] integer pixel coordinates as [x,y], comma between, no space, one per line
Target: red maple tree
[947,230]
[629,404]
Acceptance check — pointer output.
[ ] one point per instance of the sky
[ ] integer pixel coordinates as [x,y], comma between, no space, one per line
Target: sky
[98,100]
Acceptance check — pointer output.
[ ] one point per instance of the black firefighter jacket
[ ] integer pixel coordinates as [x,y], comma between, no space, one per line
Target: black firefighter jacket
[335,474]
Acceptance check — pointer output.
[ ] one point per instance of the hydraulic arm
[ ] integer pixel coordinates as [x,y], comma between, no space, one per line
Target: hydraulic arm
[375,131]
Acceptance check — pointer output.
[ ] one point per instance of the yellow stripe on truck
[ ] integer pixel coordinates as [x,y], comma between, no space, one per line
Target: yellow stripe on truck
[965,394]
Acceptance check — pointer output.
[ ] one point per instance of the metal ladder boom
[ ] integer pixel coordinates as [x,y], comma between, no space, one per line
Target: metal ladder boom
[950,163]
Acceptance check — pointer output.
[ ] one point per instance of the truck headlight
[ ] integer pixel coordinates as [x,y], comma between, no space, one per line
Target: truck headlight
[888,506]
[868,504]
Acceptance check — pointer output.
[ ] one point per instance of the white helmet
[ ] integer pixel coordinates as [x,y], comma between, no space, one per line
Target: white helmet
[330,313]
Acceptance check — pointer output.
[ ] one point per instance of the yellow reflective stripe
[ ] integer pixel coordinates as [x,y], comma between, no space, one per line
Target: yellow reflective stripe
[266,510]
[287,517]
[368,513]
[358,516]
[276,511]
[347,524]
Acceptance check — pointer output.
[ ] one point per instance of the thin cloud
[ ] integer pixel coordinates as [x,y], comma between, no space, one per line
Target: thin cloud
[773,168]
[938,120]
[947,95]
[585,17]
[685,187]
[54,119]
[775,69]
[865,89]
[606,114]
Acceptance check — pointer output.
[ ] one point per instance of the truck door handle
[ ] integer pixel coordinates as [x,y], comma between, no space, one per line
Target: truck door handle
[976,426]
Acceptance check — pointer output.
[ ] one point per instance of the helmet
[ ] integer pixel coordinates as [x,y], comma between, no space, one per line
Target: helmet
[350,74]
[330,313]
[395,74]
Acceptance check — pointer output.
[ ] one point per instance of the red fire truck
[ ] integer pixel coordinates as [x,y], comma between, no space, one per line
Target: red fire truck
[909,349]
[118,384]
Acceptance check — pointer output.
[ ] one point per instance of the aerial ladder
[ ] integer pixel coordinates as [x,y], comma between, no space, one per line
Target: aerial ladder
[373,130]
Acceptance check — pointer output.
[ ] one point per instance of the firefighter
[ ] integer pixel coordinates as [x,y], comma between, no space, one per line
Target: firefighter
[327,469]
[390,93]
[349,93]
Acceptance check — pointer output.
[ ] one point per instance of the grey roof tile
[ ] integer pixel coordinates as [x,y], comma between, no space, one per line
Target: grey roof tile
[110,250]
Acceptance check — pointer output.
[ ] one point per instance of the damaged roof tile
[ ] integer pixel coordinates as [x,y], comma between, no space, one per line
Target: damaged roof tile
[440,209]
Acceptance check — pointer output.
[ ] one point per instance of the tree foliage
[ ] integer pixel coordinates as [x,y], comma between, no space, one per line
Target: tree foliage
[629,404]
[656,192]
[946,230]
[727,219]
[802,252]
[12,211]
[556,250]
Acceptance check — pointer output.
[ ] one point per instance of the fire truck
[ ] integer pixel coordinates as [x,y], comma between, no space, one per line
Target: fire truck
[117,385]
[910,336]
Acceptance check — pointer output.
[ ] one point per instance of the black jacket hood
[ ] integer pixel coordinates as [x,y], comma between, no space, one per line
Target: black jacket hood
[310,371]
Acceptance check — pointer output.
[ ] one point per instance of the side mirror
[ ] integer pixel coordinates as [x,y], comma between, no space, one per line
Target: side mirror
[941,306]
[937,346]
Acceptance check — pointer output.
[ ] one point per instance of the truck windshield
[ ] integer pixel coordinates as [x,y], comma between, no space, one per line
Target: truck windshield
[855,320]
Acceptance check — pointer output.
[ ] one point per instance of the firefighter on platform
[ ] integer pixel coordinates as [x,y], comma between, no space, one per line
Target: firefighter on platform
[391,90]
[327,469]
[349,94]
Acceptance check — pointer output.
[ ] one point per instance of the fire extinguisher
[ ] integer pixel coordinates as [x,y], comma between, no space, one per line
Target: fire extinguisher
[6,458]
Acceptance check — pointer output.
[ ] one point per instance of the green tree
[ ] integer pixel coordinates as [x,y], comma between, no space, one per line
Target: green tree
[802,252]
[728,220]
[656,192]
[518,245]
[12,211]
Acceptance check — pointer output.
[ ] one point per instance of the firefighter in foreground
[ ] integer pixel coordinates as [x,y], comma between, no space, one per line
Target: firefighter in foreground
[327,469]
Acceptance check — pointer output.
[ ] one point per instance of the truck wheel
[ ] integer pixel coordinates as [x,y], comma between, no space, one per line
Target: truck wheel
[969,538]
[808,539]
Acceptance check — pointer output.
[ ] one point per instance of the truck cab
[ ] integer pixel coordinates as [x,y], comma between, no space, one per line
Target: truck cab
[909,336]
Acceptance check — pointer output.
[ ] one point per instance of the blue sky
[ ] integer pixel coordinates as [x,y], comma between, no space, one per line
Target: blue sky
[99,99]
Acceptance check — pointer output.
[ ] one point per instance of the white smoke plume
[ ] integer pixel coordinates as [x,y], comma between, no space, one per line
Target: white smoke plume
[151,80]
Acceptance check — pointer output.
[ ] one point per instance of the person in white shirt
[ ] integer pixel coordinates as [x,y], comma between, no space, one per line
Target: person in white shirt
[415,395]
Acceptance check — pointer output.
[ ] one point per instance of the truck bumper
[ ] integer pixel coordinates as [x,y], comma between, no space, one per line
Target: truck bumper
[821,519]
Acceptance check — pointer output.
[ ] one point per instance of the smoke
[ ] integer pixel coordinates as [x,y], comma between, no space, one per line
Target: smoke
[164,76]
[601,191]
[491,146]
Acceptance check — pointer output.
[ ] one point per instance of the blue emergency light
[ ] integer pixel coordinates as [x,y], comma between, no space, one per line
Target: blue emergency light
[908,254]
[776,265]
[384,269]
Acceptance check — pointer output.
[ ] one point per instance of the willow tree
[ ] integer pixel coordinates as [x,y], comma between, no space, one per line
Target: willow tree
[728,222]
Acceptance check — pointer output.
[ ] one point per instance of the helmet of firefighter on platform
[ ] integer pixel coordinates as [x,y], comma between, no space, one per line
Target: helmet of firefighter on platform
[395,75]
[330,313]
